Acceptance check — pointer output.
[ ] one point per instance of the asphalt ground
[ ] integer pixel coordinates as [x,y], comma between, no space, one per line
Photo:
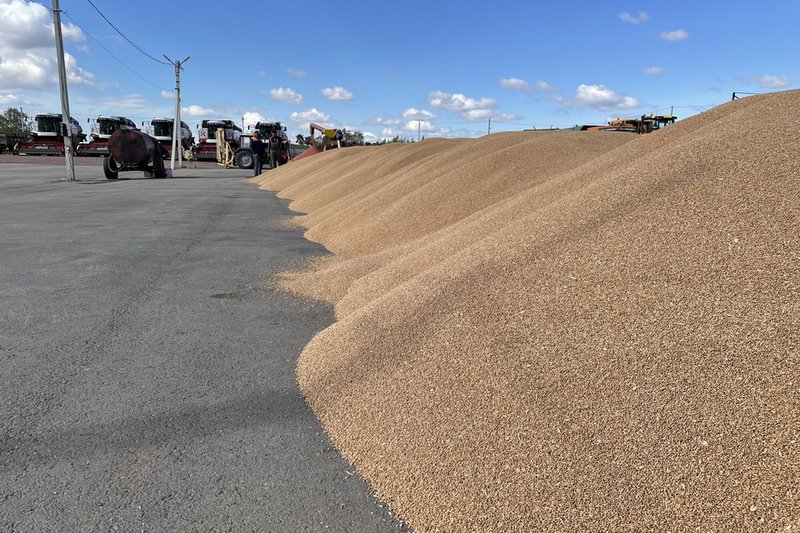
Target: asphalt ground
[147,367]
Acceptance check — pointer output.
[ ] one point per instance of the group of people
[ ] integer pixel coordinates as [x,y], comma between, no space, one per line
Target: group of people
[260,148]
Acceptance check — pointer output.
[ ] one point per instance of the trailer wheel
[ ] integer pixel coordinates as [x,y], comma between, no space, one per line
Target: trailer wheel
[244,159]
[110,168]
[158,167]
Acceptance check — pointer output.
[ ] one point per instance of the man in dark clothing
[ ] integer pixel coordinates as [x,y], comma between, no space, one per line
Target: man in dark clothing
[259,149]
[274,149]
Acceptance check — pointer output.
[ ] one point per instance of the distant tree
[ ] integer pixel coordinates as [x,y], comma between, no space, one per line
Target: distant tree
[301,140]
[13,120]
[354,138]
[396,139]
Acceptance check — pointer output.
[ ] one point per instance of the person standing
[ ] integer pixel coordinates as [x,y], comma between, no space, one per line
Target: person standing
[274,149]
[259,149]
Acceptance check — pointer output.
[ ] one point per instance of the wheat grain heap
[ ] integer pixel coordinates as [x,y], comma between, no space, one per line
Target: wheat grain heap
[564,330]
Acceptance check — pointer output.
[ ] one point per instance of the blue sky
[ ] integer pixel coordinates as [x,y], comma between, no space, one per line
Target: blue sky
[442,68]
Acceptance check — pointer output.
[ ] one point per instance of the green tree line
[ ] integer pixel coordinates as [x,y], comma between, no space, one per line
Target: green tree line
[13,120]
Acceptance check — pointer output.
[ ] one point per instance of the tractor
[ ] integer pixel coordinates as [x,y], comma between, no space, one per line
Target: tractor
[244,156]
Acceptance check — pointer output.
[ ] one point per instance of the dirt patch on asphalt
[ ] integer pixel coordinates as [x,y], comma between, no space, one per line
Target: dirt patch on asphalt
[558,331]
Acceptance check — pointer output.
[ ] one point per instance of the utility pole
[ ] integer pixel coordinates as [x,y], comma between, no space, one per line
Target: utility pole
[419,129]
[176,125]
[66,126]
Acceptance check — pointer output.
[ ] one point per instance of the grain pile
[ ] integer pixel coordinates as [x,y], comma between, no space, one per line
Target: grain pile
[560,331]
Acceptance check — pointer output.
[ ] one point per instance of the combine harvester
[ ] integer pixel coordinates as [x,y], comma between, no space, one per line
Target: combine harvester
[206,148]
[47,137]
[644,124]
[103,128]
[161,130]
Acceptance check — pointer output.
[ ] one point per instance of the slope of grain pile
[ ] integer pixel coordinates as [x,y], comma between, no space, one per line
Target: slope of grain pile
[559,331]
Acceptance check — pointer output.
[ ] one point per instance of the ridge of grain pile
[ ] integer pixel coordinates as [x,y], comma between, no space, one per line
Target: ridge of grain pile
[556,331]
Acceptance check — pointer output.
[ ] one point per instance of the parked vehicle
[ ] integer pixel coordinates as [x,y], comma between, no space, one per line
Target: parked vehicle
[244,156]
[104,126]
[161,130]
[47,137]
[206,147]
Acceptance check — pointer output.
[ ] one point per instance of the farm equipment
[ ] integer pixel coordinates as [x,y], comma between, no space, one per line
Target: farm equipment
[644,124]
[131,149]
[243,156]
[101,132]
[332,137]
[206,148]
[47,137]
[10,141]
[161,130]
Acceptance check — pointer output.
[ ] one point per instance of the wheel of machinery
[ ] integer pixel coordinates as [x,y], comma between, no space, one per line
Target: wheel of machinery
[158,168]
[110,168]
[244,159]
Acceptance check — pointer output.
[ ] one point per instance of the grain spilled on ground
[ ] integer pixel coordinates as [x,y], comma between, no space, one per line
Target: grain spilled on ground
[559,331]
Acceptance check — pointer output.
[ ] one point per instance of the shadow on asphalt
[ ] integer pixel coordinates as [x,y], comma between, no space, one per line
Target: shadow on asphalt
[256,411]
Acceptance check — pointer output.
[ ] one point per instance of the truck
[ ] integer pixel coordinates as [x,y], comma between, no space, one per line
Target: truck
[206,147]
[243,156]
[104,126]
[47,137]
[161,130]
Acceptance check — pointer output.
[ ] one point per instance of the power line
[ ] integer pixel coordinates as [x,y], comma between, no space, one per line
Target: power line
[123,36]
[112,54]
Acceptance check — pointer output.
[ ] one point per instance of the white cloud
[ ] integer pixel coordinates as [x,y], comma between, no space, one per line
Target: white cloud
[75,74]
[311,115]
[412,113]
[653,71]
[380,121]
[602,98]
[337,94]
[262,72]
[486,114]
[27,48]
[477,114]
[286,95]
[370,137]
[674,36]
[515,84]
[770,82]
[424,127]
[251,118]
[389,133]
[296,73]
[9,99]
[458,102]
[25,25]
[633,19]
[26,71]
[126,101]
[169,95]
[545,87]
[196,111]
